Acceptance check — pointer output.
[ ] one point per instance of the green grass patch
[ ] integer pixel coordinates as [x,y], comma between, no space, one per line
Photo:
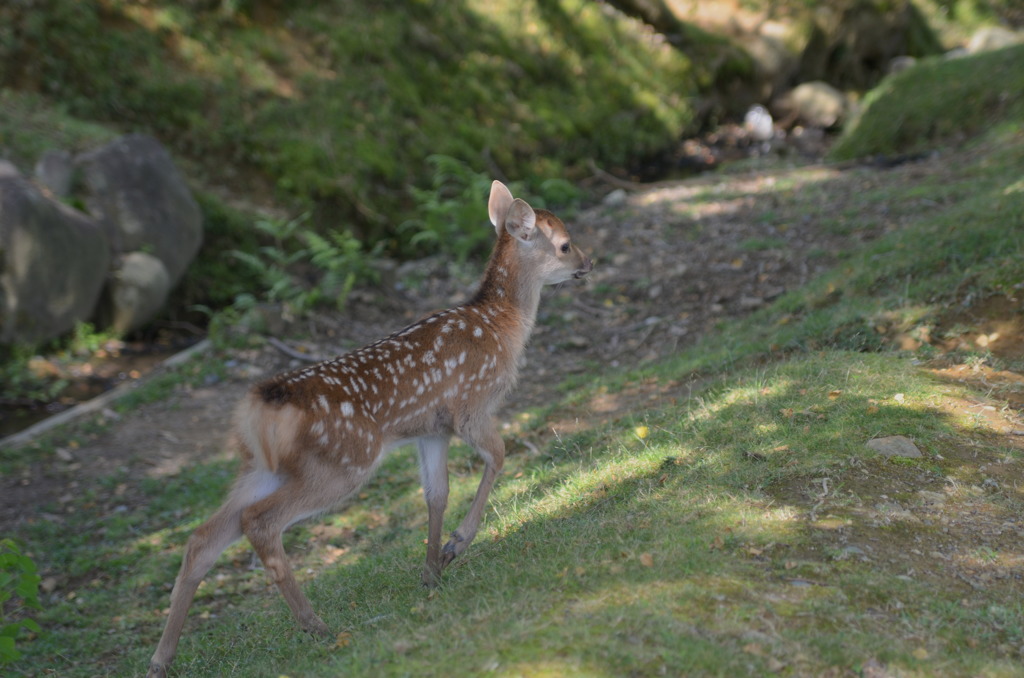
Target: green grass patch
[674,550]
[938,101]
[30,125]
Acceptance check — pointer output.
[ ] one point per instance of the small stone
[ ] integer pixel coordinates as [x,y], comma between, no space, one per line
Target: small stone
[615,198]
[758,122]
[928,497]
[902,63]
[895,446]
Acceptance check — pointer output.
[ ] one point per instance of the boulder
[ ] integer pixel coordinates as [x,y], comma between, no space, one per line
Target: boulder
[53,262]
[135,293]
[815,104]
[133,189]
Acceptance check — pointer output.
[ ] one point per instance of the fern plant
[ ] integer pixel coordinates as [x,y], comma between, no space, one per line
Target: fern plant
[303,269]
[450,216]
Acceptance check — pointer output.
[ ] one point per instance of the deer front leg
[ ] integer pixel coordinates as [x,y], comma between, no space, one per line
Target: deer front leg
[489,445]
[433,452]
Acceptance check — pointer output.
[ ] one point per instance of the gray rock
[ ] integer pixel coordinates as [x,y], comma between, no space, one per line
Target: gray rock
[54,171]
[895,446]
[136,292]
[615,198]
[139,197]
[53,262]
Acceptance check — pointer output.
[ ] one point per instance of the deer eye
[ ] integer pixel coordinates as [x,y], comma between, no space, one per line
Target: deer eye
[565,247]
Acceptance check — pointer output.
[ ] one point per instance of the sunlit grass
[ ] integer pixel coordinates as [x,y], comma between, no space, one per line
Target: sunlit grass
[667,552]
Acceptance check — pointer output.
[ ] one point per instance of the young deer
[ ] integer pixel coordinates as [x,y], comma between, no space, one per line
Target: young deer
[310,438]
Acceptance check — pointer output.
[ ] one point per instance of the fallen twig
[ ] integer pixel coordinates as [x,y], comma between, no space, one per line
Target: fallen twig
[293,353]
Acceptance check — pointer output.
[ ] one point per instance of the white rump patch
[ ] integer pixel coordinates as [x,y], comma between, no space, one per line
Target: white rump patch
[257,485]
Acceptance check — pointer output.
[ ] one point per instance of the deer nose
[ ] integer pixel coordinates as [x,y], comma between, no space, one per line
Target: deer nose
[587,266]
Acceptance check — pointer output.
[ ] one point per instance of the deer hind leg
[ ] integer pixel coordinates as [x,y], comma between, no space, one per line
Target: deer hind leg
[489,445]
[264,522]
[433,453]
[204,547]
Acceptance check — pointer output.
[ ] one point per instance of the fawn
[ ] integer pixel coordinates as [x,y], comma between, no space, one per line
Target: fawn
[310,438]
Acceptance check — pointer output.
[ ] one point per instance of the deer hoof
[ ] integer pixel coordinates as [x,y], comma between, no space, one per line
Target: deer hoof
[431,577]
[317,627]
[455,546]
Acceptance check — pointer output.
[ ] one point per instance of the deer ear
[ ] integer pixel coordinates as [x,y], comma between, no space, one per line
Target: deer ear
[498,204]
[521,221]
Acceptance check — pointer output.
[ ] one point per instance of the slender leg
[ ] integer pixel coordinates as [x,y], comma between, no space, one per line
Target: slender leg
[433,451]
[265,521]
[204,547]
[489,445]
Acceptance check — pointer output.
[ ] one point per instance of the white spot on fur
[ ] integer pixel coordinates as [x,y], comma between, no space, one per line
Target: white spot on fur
[347,409]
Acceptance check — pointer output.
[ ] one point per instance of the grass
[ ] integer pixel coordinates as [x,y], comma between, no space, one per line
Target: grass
[938,101]
[682,550]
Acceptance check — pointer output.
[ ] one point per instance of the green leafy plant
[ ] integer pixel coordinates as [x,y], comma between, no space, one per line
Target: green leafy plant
[19,589]
[451,212]
[303,268]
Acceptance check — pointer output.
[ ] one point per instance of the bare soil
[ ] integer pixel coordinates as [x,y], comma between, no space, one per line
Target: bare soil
[672,261]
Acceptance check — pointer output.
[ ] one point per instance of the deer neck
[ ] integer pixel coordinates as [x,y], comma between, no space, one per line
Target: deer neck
[509,289]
